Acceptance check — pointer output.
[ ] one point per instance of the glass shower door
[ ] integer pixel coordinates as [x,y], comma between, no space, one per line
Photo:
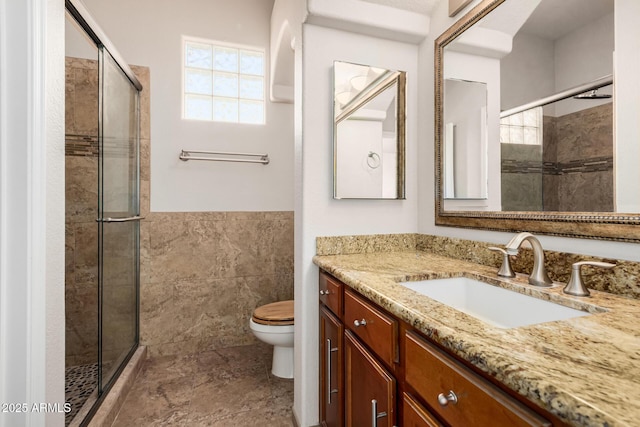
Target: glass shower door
[119,223]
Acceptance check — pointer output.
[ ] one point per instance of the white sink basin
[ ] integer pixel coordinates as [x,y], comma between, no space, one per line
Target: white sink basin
[494,305]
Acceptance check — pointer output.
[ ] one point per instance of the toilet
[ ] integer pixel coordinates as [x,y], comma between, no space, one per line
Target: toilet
[273,324]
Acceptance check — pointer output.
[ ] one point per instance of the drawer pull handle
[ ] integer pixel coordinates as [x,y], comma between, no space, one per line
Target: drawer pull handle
[374,413]
[323,292]
[444,400]
[358,323]
[330,350]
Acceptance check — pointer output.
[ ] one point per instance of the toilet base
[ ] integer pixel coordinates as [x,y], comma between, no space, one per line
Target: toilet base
[282,365]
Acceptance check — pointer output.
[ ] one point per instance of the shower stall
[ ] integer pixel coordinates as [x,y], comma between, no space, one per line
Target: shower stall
[102,158]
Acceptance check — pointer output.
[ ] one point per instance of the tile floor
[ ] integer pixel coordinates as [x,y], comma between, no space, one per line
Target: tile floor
[227,387]
[80,382]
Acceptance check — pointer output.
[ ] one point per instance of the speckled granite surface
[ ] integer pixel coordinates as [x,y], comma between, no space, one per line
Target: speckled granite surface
[585,370]
[624,279]
[364,244]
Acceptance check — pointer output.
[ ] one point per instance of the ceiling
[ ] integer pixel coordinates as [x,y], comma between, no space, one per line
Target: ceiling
[554,19]
[424,7]
[548,19]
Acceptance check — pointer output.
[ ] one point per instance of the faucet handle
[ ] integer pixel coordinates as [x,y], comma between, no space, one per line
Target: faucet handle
[576,286]
[505,269]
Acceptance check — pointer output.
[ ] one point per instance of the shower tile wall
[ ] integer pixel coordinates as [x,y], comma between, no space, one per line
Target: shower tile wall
[585,160]
[573,172]
[81,195]
[550,178]
[521,177]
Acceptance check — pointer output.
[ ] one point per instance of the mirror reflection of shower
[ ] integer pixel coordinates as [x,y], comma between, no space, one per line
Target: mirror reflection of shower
[593,95]
[560,156]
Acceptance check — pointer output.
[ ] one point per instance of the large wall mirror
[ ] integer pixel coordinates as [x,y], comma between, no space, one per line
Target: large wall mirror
[369,132]
[529,131]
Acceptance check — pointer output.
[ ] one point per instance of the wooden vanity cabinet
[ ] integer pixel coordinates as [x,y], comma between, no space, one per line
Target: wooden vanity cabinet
[376,329]
[416,415]
[356,385]
[458,395]
[331,369]
[331,293]
[370,389]
[331,352]
[372,362]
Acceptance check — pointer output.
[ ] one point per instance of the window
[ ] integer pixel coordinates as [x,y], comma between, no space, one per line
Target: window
[223,83]
[522,128]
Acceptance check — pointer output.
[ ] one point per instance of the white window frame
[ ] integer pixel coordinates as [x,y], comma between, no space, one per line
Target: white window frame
[239,47]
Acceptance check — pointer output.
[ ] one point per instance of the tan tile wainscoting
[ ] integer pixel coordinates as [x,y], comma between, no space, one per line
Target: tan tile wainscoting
[203,274]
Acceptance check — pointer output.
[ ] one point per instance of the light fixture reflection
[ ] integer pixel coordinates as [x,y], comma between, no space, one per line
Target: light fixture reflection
[343,97]
[359,82]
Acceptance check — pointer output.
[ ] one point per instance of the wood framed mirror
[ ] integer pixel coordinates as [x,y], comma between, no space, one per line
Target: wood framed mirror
[578,172]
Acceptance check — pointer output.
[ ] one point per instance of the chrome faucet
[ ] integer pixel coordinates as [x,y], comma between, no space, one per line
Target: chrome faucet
[538,276]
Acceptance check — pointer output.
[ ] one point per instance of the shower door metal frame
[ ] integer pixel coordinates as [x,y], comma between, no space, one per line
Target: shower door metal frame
[104,388]
[80,14]
[93,30]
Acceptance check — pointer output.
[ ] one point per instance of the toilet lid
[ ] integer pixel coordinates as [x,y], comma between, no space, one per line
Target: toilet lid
[277,313]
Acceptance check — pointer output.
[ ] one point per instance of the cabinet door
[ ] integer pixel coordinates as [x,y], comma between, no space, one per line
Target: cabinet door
[416,415]
[370,390]
[331,370]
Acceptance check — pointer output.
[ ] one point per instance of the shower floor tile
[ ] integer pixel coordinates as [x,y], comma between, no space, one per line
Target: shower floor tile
[80,382]
[226,387]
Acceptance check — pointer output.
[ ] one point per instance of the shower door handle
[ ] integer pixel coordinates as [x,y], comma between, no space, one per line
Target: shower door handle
[127,219]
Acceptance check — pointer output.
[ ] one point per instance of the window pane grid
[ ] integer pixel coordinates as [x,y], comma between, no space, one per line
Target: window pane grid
[225,59]
[251,87]
[223,83]
[198,55]
[198,81]
[522,128]
[251,63]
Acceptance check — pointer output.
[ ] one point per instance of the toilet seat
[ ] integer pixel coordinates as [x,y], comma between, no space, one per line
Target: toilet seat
[276,314]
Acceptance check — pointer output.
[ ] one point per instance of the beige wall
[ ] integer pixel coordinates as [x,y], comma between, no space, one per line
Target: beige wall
[150,33]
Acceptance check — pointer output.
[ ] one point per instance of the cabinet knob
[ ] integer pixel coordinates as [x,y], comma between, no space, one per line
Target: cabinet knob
[323,292]
[358,323]
[444,400]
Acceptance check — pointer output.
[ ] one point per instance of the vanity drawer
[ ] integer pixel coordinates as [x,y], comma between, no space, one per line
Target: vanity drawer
[331,293]
[432,373]
[375,328]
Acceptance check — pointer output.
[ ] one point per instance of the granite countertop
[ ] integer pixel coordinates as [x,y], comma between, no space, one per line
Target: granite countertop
[585,370]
